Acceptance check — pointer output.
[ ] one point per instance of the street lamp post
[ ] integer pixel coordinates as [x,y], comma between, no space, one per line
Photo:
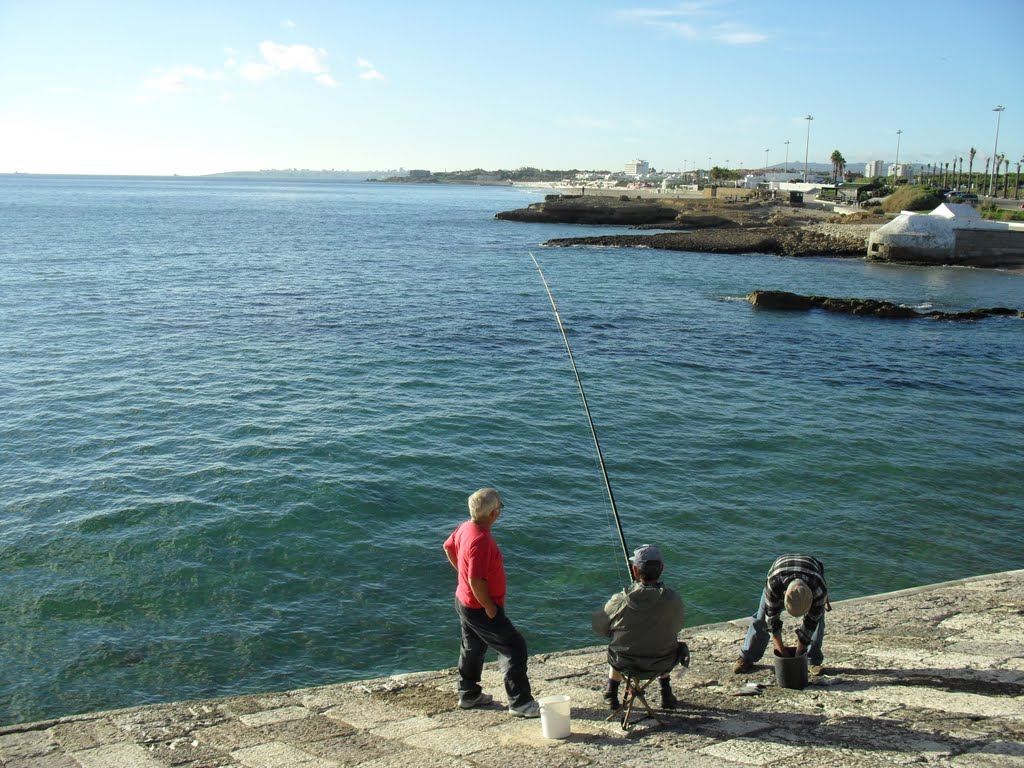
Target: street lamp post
[807,146]
[991,182]
[786,169]
[895,166]
[769,149]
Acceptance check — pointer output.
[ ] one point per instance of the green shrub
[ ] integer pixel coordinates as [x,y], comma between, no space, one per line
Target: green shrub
[912,198]
[1000,214]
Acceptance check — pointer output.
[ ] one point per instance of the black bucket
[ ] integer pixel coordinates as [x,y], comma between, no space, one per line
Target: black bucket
[791,671]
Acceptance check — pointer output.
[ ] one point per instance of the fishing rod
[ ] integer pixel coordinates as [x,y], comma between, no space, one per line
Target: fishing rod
[590,420]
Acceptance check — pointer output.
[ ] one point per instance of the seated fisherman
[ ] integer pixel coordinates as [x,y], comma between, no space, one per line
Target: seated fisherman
[643,623]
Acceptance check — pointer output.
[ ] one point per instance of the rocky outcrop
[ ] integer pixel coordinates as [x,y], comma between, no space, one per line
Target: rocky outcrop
[784,300]
[563,209]
[703,226]
[781,241]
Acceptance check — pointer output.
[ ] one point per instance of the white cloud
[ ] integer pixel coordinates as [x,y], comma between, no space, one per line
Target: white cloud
[288,58]
[274,59]
[684,20]
[679,9]
[679,29]
[369,72]
[279,59]
[287,24]
[256,71]
[732,34]
[174,80]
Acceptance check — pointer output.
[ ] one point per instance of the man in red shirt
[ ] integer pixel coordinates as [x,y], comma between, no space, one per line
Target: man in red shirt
[480,601]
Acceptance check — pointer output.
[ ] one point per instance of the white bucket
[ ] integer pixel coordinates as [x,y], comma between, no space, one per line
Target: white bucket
[554,717]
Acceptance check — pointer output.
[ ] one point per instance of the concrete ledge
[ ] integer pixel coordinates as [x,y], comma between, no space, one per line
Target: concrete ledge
[929,675]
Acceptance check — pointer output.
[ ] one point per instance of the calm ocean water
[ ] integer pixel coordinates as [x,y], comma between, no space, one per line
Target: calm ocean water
[238,419]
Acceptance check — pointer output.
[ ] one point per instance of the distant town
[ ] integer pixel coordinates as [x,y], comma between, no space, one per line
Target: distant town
[639,174]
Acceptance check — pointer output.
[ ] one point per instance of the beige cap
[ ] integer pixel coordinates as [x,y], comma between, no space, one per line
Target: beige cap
[798,598]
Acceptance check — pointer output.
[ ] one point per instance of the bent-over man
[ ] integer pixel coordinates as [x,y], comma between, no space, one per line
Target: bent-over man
[796,583]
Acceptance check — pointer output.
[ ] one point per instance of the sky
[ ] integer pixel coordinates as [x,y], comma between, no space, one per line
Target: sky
[151,87]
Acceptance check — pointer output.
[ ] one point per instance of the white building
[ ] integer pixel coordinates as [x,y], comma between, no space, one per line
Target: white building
[874,168]
[637,168]
[900,170]
[753,180]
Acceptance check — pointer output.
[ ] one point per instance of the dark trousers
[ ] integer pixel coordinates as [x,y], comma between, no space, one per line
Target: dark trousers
[480,633]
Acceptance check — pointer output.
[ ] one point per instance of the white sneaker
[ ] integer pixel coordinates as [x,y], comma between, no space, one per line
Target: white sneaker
[468,702]
[529,709]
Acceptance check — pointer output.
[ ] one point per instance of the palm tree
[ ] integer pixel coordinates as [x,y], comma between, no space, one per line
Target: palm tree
[838,161]
[970,168]
[960,173]
[1006,173]
[995,173]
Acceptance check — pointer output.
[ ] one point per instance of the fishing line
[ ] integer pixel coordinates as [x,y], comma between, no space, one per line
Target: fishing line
[590,420]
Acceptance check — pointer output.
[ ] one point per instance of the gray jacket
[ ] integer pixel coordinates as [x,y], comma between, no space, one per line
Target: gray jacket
[643,623]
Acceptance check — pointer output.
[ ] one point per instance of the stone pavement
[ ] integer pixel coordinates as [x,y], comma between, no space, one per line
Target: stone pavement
[931,676]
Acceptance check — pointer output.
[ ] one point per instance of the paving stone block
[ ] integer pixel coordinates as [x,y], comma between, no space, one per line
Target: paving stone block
[399,729]
[272,716]
[277,755]
[52,760]
[117,756]
[364,711]
[228,736]
[303,730]
[86,734]
[753,751]
[417,759]
[451,741]
[741,726]
[355,748]
[26,744]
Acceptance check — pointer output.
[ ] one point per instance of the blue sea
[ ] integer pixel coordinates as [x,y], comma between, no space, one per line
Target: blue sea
[239,418]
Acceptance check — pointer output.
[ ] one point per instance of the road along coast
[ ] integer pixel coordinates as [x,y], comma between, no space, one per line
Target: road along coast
[932,675]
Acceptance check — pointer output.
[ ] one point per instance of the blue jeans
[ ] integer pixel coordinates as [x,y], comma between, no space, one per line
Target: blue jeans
[480,632]
[758,637]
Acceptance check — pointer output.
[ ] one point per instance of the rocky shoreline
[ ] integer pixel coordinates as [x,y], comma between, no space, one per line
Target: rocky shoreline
[784,300]
[704,226]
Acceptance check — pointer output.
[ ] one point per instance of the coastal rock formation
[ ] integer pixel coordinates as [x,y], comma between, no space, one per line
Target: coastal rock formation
[564,209]
[781,241]
[785,300]
[704,226]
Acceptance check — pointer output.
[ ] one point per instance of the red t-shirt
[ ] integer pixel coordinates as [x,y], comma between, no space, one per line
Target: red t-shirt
[478,557]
